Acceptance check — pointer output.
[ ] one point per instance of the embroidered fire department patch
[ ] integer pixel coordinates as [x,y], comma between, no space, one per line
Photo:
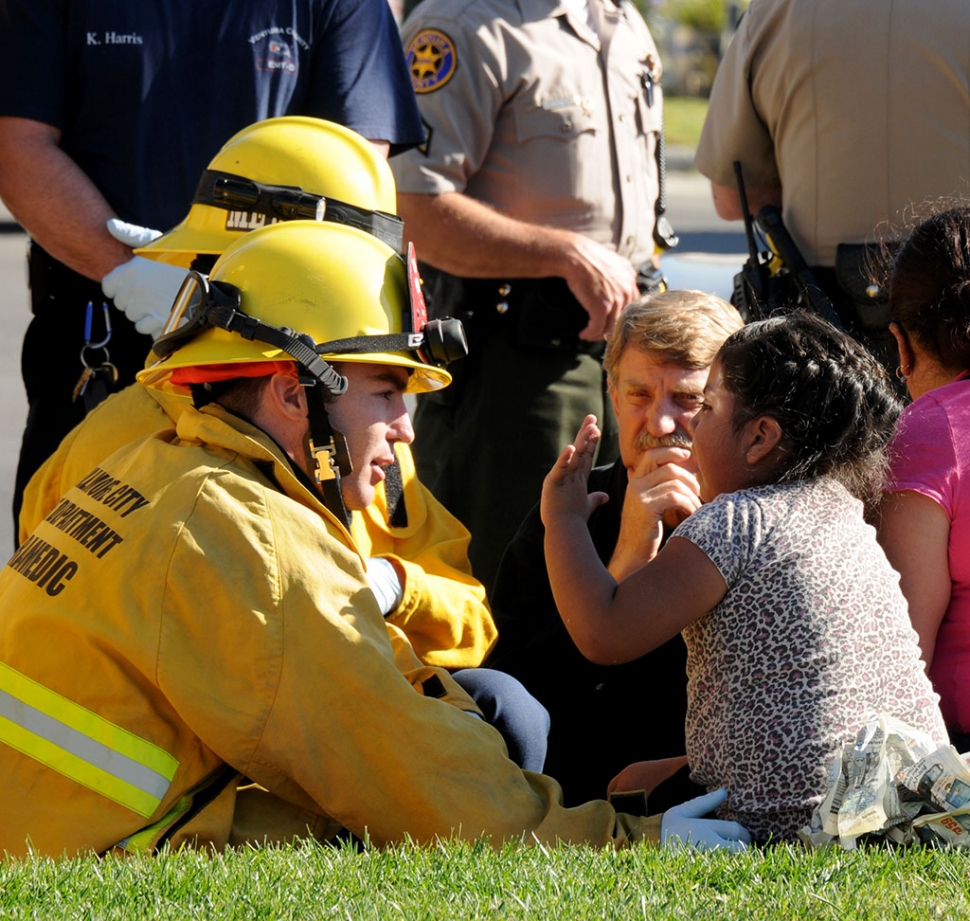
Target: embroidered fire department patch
[432,60]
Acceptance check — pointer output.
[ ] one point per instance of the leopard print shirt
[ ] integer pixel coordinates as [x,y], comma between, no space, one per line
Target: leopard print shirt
[811,638]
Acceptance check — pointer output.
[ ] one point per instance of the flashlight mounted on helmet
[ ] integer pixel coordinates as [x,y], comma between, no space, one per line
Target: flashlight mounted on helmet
[233,193]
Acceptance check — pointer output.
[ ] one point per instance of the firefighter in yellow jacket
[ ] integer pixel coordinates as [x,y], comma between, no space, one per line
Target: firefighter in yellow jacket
[205,612]
[279,169]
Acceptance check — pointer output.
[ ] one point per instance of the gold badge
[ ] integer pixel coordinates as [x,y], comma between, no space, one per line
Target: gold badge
[432,60]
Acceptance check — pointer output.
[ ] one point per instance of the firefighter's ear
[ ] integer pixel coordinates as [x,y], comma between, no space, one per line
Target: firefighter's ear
[287,396]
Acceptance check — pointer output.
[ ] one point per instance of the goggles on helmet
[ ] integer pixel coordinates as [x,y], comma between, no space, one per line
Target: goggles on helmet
[203,304]
[239,195]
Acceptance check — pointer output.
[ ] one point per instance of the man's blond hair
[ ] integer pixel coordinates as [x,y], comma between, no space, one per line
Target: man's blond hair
[681,327]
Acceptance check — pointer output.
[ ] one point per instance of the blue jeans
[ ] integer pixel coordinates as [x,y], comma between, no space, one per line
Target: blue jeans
[512,710]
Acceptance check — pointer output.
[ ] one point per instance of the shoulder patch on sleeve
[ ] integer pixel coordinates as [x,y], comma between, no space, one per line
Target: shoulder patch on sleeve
[432,60]
[425,145]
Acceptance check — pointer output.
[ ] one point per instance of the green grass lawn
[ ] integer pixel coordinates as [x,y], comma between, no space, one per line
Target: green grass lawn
[683,117]
[459,882]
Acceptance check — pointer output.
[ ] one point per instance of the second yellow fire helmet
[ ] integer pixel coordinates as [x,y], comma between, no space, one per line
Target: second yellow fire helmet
[313,293]
[281,169]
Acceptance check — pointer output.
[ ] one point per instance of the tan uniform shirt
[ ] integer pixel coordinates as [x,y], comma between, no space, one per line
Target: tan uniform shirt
[520,116]
[858,108]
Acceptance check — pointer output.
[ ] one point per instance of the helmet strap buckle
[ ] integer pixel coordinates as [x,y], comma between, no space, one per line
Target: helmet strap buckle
[327,454]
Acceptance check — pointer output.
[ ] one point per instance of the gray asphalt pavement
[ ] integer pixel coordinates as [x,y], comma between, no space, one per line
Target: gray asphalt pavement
[710,251]
[707,258]
[14,316]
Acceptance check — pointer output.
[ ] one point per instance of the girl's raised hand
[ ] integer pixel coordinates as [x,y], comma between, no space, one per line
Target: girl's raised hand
[564,489]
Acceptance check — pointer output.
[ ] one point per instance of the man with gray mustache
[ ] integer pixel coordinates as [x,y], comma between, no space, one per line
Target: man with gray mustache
[657,360]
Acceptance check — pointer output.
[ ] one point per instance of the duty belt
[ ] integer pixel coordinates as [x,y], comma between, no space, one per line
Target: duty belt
[533,313]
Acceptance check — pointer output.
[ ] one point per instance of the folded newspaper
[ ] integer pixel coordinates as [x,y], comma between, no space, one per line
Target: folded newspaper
[895,784]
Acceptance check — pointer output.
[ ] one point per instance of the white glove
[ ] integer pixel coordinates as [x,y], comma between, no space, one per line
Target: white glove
[131,234]
[683,825]
[145,290]
[385,583]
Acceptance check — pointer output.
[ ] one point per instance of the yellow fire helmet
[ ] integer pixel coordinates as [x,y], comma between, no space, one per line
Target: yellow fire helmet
[280,169]
[312,293]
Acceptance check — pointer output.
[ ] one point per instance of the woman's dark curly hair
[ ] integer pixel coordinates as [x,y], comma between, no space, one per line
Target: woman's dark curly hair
[831,398]
[929,293]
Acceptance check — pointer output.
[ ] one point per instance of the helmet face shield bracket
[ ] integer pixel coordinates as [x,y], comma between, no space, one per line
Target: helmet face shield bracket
[242,198]
[443,340]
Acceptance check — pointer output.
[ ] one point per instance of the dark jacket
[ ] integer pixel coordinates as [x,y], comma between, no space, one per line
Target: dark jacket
[603,717]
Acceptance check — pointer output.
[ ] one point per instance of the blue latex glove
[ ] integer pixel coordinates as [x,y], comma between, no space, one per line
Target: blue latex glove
[144,289]
[685,825]
[385,583]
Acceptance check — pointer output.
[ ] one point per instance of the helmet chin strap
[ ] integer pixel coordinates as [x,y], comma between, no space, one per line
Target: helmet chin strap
[328,458]
[324,447]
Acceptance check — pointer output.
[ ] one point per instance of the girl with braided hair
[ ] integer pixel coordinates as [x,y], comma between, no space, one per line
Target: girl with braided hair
[924,522]
[795,625]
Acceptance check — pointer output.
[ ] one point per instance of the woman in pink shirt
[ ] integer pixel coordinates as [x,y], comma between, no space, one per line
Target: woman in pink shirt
[924,522]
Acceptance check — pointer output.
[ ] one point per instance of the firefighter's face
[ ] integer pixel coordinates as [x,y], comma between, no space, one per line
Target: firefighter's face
[373,417]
